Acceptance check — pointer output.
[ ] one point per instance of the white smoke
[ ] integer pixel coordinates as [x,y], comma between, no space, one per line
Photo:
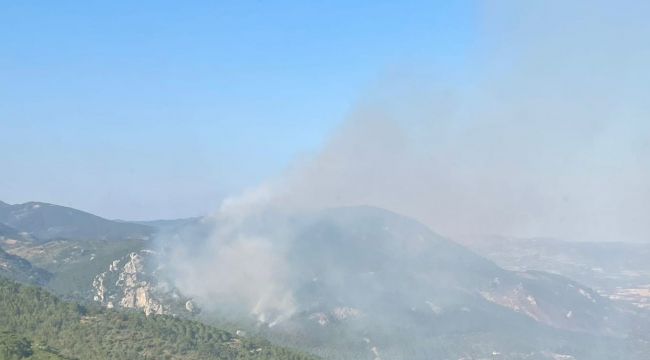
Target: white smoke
[553,141]
[231,267]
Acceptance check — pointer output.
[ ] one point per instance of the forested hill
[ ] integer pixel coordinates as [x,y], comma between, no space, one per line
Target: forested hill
[35,324]
[14,347]
[22,270]
[48,221]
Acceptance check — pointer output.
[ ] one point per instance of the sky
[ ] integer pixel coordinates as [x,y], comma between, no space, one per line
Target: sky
[506,117]
[160,109]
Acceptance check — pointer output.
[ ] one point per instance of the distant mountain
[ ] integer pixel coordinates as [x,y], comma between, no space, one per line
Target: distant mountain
[615,269]
[47,221]
[9,233]
[10,236]
[362,283]
[162,224]
[367,283]
[19,269]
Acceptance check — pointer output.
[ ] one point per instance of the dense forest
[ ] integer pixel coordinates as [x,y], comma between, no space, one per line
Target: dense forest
[35,324]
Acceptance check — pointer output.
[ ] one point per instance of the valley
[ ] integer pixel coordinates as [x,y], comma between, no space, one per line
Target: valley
[619,271]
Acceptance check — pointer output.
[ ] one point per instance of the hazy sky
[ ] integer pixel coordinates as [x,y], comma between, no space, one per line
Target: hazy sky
[515,117]
[159,109]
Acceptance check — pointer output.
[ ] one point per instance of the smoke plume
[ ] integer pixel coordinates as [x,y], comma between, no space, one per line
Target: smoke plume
[551,139]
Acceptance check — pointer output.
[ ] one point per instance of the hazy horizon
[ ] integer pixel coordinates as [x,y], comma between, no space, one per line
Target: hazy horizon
[496,118]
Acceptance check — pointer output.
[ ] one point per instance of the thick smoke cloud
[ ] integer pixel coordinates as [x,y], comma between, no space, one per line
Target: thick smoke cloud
[551,140]
[217,263]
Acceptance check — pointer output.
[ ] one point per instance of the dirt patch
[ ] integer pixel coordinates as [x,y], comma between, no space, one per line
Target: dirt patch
[87,319]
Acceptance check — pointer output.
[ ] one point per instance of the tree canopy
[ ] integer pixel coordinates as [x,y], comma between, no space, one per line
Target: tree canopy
[38,325]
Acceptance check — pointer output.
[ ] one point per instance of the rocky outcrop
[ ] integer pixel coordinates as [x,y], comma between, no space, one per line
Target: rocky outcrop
[100,289]
[127,285]
[337,313]
[189,305]
[319,317]
[346,312]
[139,297]
[519,300]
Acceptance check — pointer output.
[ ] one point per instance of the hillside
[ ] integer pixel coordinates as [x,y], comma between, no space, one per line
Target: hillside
[162,224]
[15,347]
[10,236]
[364,282]
[617,270]
[47,221]
[31,316]
[75,263]
[19,269]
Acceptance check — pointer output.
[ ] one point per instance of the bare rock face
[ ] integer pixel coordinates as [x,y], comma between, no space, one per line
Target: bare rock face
[139,297]
[519,300]
[113,266]
[131,288]
[337,313]
[319,317]
[346,312]
[134,265]
[100,289]
[189,305]
[375,352]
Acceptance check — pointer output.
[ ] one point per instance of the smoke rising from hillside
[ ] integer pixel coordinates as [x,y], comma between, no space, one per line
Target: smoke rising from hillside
[228,265]
[553,140]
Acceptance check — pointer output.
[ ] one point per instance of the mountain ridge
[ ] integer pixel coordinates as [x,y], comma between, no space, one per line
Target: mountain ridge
[20,269]
[46,221]
[359,278]
[371,273]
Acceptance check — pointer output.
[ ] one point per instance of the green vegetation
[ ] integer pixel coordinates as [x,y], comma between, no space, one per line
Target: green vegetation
[62,255]
[32,316]
[14,347]
[75,263]
[20,269]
